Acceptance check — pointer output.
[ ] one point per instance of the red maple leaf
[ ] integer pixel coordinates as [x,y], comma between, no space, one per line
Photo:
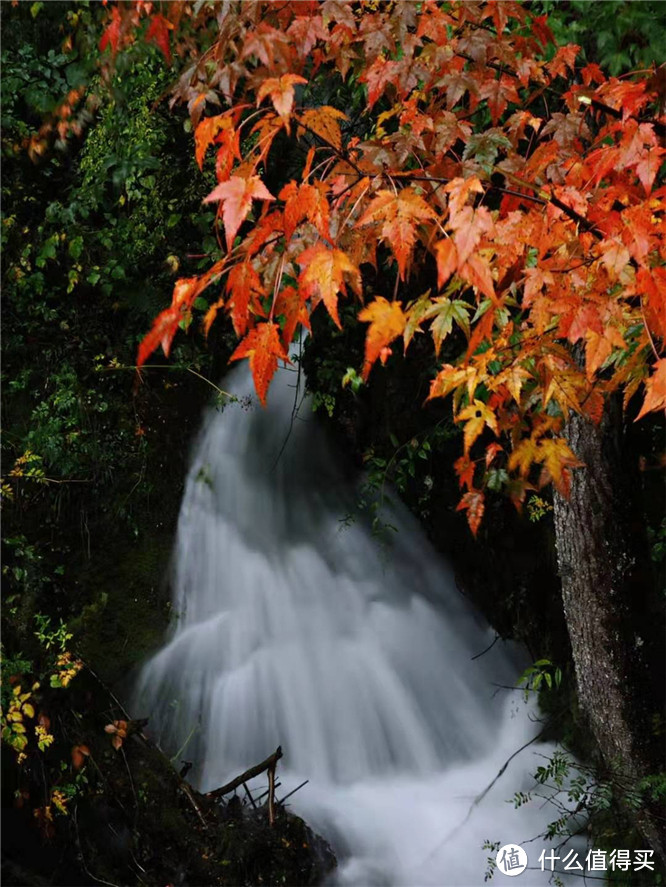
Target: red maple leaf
[263,348]
[158,33]
[236,196]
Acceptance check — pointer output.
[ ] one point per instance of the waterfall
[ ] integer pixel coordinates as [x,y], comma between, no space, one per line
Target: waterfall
[296,627]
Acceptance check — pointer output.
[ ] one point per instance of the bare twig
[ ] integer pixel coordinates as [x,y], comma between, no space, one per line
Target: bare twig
[293,791]
[271,760]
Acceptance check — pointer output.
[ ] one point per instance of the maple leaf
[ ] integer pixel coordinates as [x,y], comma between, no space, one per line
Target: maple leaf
[474,503]
[597,350]
[557,459]
[459,191]
[211,314]
[161,333]
[615,257]
[323,122]
[491,452]
[111,35]
[499,93]
[655,390]
[648,166]
[263,347]
[447,260]
[305,201]
[476,416]
[165,325]
[443,312]
[323,276]
[158,33]
[415,314]
[387,322]
[513,377]
[464,468]
[476,271]
[305,31]
[585,316]
[209,130]
[563,384]
[236,196]
[290,304]
[652,284]
[281,92]
[541,30]
[451,378]
[565,58]
[245,289]
[523,455]
[264,41]
[380,73]
[399,213]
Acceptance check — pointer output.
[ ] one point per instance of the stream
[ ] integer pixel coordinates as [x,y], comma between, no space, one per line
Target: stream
[296,627]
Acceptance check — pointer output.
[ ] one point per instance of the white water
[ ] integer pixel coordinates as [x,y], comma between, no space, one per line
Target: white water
[296,630]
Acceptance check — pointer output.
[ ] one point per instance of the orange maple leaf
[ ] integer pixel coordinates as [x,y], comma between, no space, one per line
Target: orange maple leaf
[281,91]
[399,214]
[324,123]
[652,284]
[387,322]
[209,130]
[323,276]
[476,416]
[236,197]
[447,260]
[263,348]
[290,304]
[474,503]
[305,201]
[245,289]
[464,468]
[655,390]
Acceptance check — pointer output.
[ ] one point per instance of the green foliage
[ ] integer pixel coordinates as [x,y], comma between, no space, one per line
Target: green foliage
[49,636]
[537,508]
[93,234]
[541,673]
[619,35]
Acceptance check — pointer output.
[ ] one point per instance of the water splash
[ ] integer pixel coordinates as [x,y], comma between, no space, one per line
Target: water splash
[356,658]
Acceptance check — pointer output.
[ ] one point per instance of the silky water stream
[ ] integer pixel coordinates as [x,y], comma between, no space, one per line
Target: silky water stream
[296,627]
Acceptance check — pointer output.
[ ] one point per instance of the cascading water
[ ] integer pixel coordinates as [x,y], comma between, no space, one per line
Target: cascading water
[296,629]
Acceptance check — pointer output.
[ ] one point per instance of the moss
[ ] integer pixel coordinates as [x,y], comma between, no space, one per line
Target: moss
[130,610]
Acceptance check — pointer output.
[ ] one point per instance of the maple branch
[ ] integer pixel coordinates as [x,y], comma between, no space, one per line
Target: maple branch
[442,181]
[647,329]
[659,128]
[163,366]
[580,220]
[341,154]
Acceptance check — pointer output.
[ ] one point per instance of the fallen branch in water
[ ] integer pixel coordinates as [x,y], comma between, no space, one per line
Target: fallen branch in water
[258,769]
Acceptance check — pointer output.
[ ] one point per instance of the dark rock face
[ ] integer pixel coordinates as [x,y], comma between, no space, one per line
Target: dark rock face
[288,853]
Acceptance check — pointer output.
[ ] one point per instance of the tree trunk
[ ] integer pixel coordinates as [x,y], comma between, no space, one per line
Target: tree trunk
[598,586]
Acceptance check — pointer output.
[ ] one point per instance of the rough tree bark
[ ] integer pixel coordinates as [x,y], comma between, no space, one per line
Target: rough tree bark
[598,586]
